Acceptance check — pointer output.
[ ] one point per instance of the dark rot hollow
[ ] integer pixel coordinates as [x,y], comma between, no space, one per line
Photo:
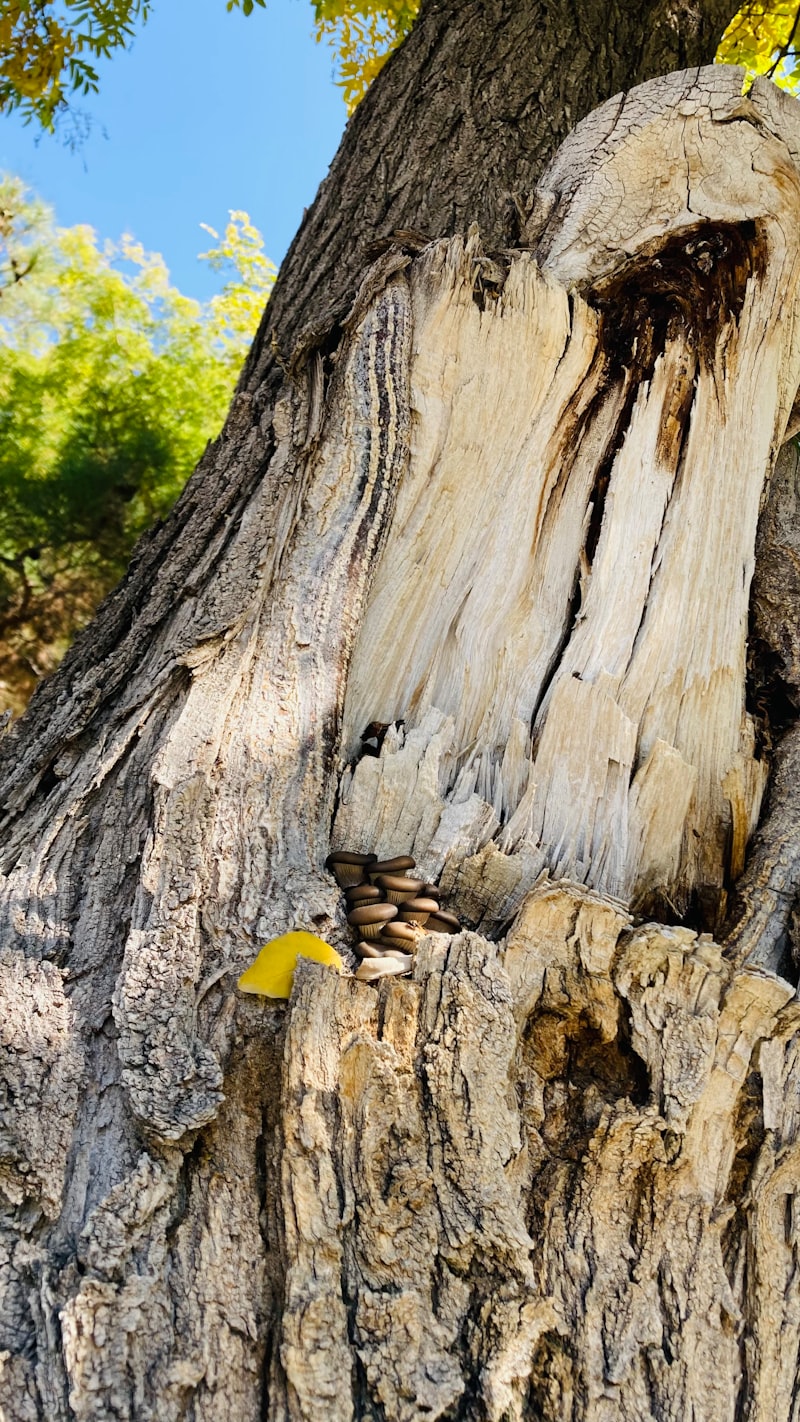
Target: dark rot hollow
[694,283]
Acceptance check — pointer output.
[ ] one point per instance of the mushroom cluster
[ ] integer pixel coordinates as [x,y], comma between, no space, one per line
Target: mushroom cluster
[389,910]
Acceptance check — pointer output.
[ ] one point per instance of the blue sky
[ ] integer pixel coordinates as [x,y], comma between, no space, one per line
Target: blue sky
[207,111]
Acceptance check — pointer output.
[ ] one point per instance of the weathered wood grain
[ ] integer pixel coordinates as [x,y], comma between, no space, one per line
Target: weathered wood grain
[572,550]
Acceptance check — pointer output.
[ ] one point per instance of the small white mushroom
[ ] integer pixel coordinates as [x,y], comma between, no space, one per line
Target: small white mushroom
[372,969]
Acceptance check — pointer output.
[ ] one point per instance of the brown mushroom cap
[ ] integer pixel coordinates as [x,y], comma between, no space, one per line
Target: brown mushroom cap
[400,865]
[368,950]
[417,910]
[397,887]
[430,891]
[398,935]
[348,868]
[363,894]
[373,950]
[371,913]
[370,918]
[443,922]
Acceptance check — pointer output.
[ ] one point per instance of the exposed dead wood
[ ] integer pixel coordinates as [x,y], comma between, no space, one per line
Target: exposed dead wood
[558,459]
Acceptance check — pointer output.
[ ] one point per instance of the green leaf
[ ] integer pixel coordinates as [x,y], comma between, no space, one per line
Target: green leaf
[111,383]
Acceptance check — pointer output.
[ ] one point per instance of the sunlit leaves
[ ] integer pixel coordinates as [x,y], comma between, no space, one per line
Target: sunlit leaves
[111,383]
[363,33]
[21,218]
[48,50]
[764,37]
[239,254]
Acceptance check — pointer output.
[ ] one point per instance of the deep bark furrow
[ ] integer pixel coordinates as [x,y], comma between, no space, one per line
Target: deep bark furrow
[761,921]
[764,898]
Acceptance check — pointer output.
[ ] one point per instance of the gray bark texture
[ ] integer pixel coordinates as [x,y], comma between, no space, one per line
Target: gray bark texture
[554,1173]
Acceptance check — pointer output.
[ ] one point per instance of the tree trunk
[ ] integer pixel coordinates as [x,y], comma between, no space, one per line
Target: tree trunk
[458,129]
[510,512]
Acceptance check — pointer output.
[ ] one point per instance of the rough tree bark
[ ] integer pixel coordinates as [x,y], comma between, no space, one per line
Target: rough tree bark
[505,500]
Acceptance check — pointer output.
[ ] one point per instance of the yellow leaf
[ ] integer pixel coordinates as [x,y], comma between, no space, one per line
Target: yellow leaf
[272,973]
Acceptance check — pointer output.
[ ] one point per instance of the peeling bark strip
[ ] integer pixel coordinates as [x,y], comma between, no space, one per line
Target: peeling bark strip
[509,508]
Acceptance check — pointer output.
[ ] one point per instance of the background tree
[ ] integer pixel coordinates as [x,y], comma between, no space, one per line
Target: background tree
[111,384]
[199,1220]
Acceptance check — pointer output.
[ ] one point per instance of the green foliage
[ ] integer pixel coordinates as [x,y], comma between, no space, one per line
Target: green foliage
[239,254]
[111,382]
[20,220]
[764,37]
[48,49]
[363,33]
[245,5]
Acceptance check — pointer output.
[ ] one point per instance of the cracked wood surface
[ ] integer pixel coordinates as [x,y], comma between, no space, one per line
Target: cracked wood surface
[553,1175]
[558,457]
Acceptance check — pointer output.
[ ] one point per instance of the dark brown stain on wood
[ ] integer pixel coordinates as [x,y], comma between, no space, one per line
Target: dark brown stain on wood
[691,286]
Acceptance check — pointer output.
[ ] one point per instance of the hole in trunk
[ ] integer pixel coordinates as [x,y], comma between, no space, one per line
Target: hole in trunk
[693,284]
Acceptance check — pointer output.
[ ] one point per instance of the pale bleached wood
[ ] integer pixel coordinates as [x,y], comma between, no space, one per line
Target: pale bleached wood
[517,407]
